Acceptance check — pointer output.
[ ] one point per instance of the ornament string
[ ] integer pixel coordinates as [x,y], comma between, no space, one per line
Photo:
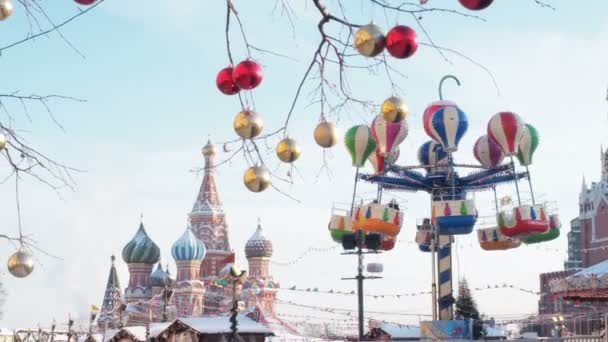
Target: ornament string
[443,80]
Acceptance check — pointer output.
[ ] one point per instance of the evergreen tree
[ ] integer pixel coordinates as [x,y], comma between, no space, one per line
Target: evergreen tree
[466,308]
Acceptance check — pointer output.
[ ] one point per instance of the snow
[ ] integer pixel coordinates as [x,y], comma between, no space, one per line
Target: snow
[494,331]
[400,331]
[96,337]
[598,269]
[6,332]
[215,325]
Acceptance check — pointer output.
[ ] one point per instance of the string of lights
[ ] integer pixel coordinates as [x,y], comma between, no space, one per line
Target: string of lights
[304,254]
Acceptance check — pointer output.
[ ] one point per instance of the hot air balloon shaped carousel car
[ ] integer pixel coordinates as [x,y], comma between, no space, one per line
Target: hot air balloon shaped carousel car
[491,239]
[339,225]
[378,218]
[454,217]
[525,220]
[551,234]
[423,239]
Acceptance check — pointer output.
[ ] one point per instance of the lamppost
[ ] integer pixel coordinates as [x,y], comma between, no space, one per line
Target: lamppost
[53,326]
[237,276]
[70,324]
[121,310]
[167,295]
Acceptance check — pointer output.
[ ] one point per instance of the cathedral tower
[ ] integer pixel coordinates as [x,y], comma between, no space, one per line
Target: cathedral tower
[140,254]
[108,317]
[260,283]
[188,252]
[208,220]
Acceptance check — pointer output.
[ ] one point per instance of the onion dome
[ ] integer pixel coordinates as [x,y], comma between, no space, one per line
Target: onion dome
[141,249]
[188,247]
[159,278]
[208,149]
[258,246]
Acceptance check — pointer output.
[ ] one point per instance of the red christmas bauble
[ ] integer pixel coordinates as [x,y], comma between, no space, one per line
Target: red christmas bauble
[225,83]
[85,2]
[402,41]
[247,75]
[476,5]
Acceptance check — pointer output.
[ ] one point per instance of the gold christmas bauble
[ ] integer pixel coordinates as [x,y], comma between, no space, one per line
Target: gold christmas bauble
[369,40]
[2,141]
[326,134]
[248,124]
[256,179]
[394,109]
[20,264]
[6,9]
[288,150]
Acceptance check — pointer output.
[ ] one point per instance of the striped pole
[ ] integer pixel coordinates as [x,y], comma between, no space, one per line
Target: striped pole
[444,260]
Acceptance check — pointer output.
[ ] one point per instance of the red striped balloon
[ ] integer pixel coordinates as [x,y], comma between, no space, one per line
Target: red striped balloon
[427,117]
[506,129]
[487,152]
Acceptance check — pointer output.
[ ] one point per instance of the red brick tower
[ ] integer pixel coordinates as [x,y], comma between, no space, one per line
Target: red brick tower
[208,220]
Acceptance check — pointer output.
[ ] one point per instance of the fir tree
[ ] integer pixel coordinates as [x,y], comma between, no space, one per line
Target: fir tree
[466,308]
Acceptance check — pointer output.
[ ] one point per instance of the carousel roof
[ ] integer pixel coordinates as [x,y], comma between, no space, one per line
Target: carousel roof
[598,269]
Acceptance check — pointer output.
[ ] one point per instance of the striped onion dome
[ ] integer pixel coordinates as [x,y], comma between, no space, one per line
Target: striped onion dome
[188,247]
[258,245]
[141,249]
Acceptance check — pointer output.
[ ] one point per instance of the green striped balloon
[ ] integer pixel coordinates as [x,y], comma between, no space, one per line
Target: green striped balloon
[360,144]
[527,145]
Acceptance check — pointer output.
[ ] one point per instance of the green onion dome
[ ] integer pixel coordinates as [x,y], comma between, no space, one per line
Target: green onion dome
[141,249]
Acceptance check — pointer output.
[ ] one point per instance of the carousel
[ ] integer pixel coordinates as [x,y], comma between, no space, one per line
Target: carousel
[374,225]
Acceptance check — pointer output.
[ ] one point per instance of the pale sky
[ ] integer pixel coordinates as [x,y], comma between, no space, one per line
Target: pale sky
[148,78]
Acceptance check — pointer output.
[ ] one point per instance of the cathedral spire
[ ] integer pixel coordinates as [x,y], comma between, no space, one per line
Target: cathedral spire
[208,198]
[111,298]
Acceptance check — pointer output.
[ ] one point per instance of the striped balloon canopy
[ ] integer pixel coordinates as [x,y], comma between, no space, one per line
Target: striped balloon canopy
[448,125]
[378,161]
[360,144]
[431,153]
[506,129]
[487,152]
[430,110]
[388,135]
[527,145]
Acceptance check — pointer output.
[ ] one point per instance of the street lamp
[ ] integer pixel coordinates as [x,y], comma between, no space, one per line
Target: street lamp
[238,276]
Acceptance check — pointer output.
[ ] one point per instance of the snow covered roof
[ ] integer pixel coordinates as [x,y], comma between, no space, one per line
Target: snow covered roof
[95,337]
[598,269]
[136,331]
[400,331]
[216,325]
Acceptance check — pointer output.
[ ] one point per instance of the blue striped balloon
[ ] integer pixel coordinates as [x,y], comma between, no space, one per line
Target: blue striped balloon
[448,126]
[431,153]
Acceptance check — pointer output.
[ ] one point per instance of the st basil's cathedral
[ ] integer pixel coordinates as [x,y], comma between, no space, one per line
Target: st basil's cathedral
[202,254]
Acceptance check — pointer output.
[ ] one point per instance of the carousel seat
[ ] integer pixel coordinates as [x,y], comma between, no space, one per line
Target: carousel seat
[339,225]
[526,220]
[454,217]
[491,239]
[378,218]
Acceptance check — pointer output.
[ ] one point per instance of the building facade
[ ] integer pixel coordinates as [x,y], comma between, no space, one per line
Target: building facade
[575,253]
[200,254]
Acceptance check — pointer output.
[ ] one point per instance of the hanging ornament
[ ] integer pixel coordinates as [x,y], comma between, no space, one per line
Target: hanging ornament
[6,9]
[2,141]
[85,2]
[225,82]
[288,150]
[448,125]
[487,152]
[256,179]
[527,145]
[247,75]
[506,129]
[431,153]
[476,5]
[326,134]
[430,110]
[388,135]
[248,124]
[394,109]
[360,144]
[401,41]
[369,40]
[20,264]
